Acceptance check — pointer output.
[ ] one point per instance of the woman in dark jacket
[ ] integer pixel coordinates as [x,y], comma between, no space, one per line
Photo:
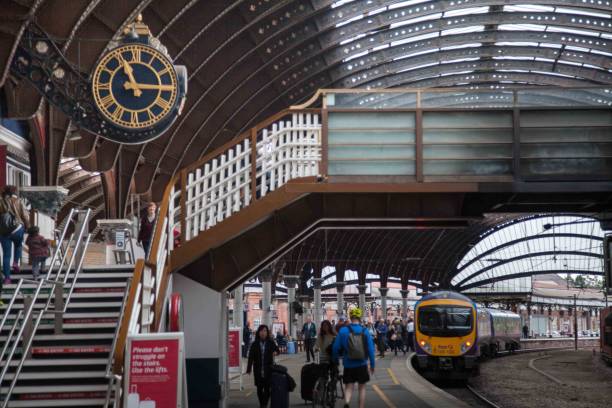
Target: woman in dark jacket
[261,358]
[147,223]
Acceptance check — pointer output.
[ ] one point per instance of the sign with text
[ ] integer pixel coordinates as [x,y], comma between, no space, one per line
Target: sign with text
[154,370]
[234,341]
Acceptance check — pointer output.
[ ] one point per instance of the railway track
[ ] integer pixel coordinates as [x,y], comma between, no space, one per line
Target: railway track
[472,397]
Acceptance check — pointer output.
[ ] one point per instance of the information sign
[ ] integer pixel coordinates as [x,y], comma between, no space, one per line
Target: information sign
[154,370]
[233,348]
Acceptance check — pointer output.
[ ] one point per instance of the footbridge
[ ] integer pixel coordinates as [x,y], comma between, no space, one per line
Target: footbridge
[386,159]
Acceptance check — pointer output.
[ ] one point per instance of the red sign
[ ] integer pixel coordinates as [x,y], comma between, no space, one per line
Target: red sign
[154,372]
[233,348]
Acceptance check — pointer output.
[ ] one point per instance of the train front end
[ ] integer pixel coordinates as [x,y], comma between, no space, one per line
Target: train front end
[445,335]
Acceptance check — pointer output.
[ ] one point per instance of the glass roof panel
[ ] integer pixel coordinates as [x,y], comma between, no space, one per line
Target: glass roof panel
[538,244]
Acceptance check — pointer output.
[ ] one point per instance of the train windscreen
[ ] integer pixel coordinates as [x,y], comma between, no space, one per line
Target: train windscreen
[445,321]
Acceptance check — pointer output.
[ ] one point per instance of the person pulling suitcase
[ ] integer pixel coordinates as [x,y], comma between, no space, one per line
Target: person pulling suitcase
[261,360]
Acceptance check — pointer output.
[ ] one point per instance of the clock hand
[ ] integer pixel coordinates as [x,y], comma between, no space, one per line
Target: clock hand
[133,85]
[127,68]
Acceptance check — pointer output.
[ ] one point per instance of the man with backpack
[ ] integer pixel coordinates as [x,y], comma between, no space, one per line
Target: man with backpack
[355,344]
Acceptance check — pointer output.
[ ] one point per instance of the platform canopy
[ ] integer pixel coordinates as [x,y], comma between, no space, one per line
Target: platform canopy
[250,59]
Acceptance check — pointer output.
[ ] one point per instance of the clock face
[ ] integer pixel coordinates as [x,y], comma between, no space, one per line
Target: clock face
[135,86]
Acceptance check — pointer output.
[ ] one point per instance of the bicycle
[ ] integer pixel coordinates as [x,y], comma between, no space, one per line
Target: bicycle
[325,392]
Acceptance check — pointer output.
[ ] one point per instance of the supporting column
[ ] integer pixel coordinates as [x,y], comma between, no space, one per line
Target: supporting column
[238,307]
[302,317]
[340,302]
[362,297]
[383,301]
[317,301]
[291,282]
[404,303]
[266,283]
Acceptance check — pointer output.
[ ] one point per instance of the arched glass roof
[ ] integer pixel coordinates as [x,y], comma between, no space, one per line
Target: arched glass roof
[535,245]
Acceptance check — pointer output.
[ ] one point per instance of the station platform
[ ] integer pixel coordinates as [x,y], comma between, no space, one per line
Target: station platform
[391,386]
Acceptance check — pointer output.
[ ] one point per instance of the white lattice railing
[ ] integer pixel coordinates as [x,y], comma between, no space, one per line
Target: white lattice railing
[287,149]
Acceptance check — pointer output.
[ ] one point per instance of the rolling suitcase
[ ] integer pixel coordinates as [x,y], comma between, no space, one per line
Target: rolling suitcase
[279,387]
[308,377]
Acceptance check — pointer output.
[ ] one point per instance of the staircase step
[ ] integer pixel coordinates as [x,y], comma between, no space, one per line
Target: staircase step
[54,389]
[89,349]
[62,362]
[53,375]
[6,297]
[69,337]
[77,305]
[70,401]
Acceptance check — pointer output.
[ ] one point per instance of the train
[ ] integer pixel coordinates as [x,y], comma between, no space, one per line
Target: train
[452,333]
[605,334]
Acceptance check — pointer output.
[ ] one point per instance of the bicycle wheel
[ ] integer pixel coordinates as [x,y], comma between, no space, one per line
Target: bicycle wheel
[332,394]
[319,393]
[339,387]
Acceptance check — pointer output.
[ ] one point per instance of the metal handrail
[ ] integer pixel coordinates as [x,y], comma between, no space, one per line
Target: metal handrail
[24,355]
[78,248]
[52,264]
[109,365]
[10,335]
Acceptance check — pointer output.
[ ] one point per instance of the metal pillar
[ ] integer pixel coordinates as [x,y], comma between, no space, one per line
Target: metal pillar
[266,297]
[362,297]
[238,307]
[404,303]
[317,300]
[383,301]
[575,324]
[306,308]
[340,302]
[291,282]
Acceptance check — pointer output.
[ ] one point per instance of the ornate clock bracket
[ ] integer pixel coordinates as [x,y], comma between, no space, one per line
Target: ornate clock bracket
[39,60]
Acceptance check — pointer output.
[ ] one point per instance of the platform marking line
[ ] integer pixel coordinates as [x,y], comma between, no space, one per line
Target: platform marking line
[383,397]
[393,377]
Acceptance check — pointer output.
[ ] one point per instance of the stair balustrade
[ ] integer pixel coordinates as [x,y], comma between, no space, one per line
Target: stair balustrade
[56,280]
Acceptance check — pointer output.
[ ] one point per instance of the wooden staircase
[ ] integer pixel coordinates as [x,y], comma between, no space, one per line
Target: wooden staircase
[68,369]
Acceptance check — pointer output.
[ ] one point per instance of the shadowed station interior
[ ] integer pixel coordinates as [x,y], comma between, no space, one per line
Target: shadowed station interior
[199,165]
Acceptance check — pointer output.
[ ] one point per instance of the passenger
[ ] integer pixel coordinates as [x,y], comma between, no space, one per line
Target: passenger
[323,346]
[399,330]
[410,334]
[246,339]
[310,334]
[371,330]
[381,334]
[281,341]
[526,331]
[14,221]
[261,359]
[341,323]
[356,346]
[147,223]
[38,248]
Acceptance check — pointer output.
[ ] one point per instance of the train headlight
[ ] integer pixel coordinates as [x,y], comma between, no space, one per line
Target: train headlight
[425,346]
[466,346]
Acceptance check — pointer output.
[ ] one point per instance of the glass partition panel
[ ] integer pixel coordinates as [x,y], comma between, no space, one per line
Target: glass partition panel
[371,143]
[566,144]
[467,99]
[565,97]
[467,143]
[373,100]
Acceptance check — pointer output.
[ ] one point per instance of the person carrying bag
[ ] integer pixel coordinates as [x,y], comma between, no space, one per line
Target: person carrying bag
[14,221]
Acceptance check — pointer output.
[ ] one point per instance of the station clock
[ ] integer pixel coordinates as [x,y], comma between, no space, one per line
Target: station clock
[135,86]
